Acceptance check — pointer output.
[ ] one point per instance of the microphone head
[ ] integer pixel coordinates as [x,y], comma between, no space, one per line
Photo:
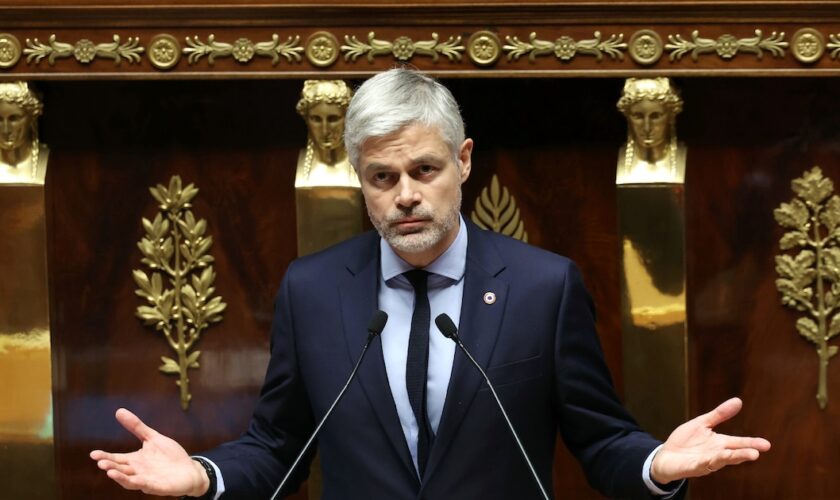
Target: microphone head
[446,326]
[377,322]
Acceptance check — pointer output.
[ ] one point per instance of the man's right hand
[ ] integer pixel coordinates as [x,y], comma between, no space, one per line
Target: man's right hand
[160,467]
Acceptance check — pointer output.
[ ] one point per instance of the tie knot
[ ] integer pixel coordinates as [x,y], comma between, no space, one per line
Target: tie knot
[418,279]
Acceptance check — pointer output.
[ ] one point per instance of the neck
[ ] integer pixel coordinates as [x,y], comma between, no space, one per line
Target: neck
[330,156]
[15,158]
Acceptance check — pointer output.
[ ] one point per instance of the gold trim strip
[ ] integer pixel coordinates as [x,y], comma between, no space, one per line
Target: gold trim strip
[566,48]
[403,48]
[84,51]
[726,46]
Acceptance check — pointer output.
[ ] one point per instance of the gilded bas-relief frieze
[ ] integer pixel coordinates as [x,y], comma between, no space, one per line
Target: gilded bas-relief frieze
[566,48]
[179,292]
[402,48]
[243,49]
[496,210]
[83,51]
[809,280]
[483,48]
[726,46]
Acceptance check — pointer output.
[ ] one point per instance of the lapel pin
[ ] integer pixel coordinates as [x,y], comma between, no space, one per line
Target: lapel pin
[489,298]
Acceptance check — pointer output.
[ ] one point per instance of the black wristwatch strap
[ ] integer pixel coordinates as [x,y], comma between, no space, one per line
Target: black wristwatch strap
[211,474]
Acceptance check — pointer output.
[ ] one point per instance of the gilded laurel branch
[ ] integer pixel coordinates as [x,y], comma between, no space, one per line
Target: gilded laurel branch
[809,281]
[175,247]
[496,210]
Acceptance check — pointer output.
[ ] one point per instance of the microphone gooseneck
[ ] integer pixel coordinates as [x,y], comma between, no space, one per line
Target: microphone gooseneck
[375,327]
[450,331]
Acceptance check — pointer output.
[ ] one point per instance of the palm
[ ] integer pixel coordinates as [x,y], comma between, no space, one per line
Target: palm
[695,449]
[161,466]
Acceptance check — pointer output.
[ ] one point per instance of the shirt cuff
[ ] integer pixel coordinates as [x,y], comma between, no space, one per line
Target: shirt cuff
[652,486]
[220,482]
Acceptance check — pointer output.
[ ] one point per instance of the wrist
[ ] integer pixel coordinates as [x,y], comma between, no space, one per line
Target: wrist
[656,474]
[205,482]
[202,481]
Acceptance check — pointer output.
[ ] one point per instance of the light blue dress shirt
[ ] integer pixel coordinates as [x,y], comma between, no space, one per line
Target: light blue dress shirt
[396,297]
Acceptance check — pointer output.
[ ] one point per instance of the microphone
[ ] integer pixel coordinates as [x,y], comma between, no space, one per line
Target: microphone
[450,331]
[375,327]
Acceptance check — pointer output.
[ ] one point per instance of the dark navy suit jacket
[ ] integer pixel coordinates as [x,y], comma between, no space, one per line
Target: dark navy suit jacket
[539,347]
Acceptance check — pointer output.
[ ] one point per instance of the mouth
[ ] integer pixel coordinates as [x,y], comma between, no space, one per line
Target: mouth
[409,224]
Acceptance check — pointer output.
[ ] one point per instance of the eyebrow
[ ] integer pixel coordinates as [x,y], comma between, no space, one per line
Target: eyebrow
[426,159]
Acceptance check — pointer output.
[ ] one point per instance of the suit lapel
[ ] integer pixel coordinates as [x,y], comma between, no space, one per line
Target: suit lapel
[478,328]
[358,301]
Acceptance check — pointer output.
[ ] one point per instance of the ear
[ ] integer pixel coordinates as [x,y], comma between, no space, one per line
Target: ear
[465,159]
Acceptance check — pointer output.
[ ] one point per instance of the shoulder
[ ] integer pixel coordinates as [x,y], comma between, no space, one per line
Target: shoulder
[336,261]
[523,257]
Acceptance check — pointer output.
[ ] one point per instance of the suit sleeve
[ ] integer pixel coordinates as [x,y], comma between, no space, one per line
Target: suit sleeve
[253,465]
[593,423]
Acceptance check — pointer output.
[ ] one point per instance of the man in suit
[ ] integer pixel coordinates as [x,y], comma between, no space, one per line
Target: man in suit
[418,422]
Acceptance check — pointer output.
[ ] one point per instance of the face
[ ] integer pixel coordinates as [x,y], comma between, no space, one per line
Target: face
[649,121]
[326,125]
[14,126]
[412,189]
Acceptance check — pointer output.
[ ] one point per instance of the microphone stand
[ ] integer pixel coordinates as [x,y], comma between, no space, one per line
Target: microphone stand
[375,327]
[449,330]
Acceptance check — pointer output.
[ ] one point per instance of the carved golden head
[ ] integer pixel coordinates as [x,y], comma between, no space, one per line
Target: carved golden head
[19,110]
[650,106]
[323,104]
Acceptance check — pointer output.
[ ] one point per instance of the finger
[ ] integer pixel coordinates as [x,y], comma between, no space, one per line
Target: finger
[107,465]
[134,425]
[732,457]
[120,458]
[127,482]
[738,442]
[723,412]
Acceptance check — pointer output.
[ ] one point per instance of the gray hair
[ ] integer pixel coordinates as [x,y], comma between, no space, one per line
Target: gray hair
[395,99]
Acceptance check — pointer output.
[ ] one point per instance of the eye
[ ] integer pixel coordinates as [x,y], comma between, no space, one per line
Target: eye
[426,169]
[380,177]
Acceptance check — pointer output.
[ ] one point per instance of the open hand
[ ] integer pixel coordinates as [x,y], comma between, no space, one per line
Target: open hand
[160,467]
[694,449]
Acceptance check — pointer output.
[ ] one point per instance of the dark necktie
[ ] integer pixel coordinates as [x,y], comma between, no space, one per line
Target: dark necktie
[417,364]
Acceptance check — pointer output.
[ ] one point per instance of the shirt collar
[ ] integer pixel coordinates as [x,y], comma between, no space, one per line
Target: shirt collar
[451,264]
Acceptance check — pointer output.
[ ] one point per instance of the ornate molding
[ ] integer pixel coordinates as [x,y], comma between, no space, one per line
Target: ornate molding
[484,48]
[9,50]
[84,51]
[402,48]
[807,45]
[164,51]
[726,46]
[243,49]
[176,248]
[834,45]
[565,48]
[810,280]
[645,47]
[322,49]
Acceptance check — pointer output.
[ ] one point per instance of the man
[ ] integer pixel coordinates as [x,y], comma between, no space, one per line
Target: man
[523,313]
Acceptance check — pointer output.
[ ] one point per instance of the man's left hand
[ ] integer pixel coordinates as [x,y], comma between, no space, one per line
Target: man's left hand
[694,449]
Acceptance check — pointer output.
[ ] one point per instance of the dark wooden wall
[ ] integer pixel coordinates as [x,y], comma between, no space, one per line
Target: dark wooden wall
[552,142]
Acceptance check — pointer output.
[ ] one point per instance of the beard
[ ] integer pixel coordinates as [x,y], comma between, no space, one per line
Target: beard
[439,224]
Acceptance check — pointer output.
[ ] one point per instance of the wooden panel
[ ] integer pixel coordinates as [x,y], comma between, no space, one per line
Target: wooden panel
[552,142]
[747,141]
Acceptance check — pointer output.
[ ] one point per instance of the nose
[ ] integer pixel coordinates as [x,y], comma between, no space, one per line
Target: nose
[647,124]
[408,195]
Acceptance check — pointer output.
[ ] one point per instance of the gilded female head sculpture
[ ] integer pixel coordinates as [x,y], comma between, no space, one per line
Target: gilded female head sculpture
[651,153]
[20,108]
[323,104]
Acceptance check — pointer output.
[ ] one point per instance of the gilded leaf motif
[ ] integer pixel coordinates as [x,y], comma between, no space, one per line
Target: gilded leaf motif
[175,246]
[496,210]
[810,281]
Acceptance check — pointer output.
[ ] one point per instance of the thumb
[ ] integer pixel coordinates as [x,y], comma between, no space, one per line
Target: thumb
[134,425]
[723,412]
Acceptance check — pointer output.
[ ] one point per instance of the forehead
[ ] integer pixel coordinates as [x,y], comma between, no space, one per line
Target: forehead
[325,109]
[8,109]
[408,143]
[647,106]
